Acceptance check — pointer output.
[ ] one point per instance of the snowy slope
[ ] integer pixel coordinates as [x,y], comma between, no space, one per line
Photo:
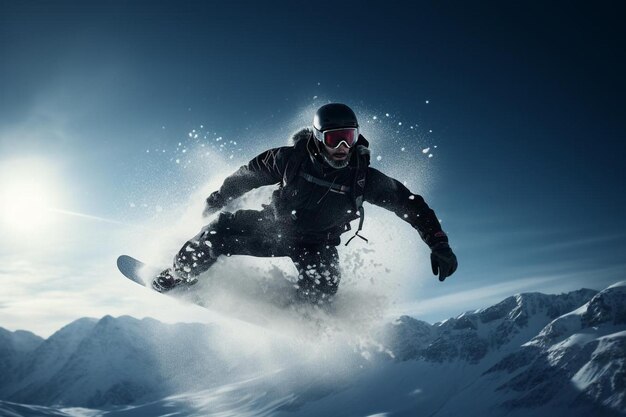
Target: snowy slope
[531,354]
[14,349]
[48,357]
[114,361]
[9,409]
[491,331]
[578,358]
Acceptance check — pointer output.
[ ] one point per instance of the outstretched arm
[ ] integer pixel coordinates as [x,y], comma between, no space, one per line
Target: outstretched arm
[389,193]
[265,169]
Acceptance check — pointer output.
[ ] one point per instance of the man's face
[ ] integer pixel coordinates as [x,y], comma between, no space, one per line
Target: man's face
[338,154]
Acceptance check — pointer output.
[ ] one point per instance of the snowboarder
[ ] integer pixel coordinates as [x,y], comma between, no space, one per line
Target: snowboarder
[323,180]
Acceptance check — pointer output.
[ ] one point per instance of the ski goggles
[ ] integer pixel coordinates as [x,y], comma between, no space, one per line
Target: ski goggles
[333,138]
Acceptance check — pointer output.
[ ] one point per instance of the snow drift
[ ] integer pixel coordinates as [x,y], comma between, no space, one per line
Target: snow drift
[531,353]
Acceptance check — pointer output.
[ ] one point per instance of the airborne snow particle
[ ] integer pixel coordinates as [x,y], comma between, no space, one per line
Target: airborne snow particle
[375,117]
[399,123]
[426,150]
[412,197]
[378,158]
[430,155]
[402,149]
[387,114]
[178,161]
[427,101]
[430,131]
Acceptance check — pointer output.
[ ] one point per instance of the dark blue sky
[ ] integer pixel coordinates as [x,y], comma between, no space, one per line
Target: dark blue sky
[525,103]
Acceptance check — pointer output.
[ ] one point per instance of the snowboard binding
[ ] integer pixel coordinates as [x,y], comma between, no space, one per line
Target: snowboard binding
[168,280]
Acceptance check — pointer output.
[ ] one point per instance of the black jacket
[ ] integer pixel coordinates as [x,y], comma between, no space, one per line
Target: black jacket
[316,202]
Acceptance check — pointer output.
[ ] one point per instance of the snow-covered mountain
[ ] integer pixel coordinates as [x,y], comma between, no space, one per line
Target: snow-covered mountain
[531,354]
[114,361]
[14,349]
[580,357]
[473,335]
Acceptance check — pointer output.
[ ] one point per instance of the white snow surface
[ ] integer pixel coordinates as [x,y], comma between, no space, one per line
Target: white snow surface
[531,353]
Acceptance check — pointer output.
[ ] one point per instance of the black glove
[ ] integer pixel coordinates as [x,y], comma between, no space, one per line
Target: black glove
[213,204]
[443,261]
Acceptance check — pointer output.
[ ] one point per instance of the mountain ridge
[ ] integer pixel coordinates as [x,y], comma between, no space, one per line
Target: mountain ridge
[531,351]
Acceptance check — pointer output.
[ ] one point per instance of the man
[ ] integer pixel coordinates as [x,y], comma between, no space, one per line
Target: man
[323,180]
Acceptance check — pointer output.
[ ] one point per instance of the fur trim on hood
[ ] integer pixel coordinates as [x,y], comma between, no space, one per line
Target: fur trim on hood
[302,134]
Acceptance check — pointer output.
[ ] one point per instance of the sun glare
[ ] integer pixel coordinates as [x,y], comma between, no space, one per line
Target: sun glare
[27,193]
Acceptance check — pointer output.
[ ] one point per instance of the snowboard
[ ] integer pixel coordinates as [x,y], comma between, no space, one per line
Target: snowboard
[260,307]
[134,269]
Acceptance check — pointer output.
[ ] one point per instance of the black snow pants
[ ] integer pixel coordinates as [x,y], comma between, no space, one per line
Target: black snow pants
[257,233]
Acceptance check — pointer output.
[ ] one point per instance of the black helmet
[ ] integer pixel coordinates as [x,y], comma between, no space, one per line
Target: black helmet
[334,116]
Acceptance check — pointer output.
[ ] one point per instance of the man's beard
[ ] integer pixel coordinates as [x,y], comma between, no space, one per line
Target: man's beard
[336,164]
